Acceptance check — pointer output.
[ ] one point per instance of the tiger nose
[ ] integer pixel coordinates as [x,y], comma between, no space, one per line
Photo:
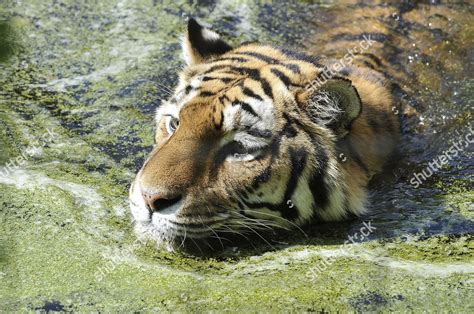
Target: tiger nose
[159,202]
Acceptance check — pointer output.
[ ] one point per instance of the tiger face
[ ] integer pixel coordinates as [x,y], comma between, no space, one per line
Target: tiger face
[247,143]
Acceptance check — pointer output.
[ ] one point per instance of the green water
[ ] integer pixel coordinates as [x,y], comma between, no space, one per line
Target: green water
[79,86]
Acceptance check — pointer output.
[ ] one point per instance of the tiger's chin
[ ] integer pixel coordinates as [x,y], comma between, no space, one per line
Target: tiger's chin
[197,244]
[178,236]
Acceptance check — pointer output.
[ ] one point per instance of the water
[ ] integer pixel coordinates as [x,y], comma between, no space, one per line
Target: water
[80,83]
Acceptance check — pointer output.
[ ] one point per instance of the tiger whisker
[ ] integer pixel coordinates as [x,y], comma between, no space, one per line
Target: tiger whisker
[197,245]
[237,225]
[184,239]
[269,223]
[218,238]
[208,244]
[209,210]
[232,231]
[166,88]
[261,227]
[258,234]
[262,222]
[254,221]
[289,221]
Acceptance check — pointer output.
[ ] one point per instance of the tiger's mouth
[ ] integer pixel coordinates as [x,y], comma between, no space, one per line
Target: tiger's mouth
[169,223]
[193,227]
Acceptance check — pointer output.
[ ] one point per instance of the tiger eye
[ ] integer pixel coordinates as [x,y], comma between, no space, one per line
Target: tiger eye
[173,124]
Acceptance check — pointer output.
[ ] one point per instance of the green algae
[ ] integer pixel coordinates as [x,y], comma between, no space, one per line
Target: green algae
[435,249]
[7,137]
[66,237]
[188,283]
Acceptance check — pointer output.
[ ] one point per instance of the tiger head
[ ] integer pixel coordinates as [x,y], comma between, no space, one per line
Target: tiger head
[245,143]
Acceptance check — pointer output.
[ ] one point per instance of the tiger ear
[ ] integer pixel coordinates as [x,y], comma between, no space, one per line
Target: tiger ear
[200,43]
[335,104]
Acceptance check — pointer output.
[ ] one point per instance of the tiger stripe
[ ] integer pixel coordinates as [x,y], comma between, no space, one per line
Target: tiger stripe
[261,131]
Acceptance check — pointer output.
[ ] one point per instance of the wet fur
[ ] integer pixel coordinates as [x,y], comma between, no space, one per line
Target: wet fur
[303,165]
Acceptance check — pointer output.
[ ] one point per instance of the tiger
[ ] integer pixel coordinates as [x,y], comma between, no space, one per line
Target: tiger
[260,137]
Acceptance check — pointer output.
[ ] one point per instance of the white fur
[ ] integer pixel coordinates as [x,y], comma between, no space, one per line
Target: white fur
[209,35]
[303,198]
[137,204]
[324,108]
[230,113]
[187,50]
[168,108]
[248,119]
[249,140]
[265,110]
[245,119]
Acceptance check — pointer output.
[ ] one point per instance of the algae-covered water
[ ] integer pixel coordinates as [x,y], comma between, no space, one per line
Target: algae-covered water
[80,81]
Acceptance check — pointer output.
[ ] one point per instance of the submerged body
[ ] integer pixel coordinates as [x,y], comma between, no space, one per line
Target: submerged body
[261,137]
